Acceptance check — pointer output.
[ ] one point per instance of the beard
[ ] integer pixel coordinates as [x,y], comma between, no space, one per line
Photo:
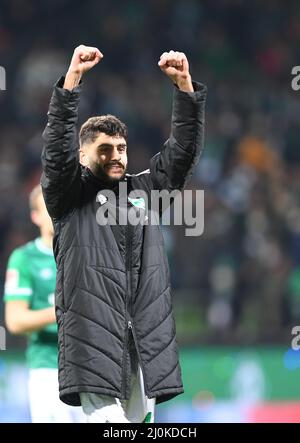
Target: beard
[99,171]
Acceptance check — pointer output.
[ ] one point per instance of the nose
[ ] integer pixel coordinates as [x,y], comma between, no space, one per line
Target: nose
[115,155]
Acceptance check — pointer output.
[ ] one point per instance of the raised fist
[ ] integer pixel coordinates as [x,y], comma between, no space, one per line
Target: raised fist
[175,65]
[84,58]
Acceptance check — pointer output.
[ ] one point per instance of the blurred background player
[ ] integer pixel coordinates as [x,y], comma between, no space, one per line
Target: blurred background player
[29,309]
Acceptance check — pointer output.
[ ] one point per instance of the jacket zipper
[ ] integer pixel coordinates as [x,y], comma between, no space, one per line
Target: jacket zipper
[127,302]
[130,326]
[124,375]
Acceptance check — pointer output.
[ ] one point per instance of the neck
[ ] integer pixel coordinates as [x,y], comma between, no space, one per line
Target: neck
[47,240]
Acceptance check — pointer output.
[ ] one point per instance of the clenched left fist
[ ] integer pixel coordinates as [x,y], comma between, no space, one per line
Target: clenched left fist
[176,66]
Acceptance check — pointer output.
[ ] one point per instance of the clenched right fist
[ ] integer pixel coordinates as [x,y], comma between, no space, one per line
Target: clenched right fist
[84,58]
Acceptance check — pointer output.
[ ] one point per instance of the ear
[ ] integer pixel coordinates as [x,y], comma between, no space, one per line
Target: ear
[34,215]
[83,158]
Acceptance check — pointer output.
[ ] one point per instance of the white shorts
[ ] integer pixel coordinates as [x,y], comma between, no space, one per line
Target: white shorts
[100,408]
[44,402]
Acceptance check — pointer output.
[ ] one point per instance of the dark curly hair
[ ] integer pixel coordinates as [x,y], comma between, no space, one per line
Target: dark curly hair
[108,124]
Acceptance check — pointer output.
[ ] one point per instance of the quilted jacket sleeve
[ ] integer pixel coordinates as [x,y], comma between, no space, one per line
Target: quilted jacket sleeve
[60,156]
[174,165]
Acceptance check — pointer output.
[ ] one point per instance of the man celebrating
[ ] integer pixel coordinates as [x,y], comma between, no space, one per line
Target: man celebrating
[117,342]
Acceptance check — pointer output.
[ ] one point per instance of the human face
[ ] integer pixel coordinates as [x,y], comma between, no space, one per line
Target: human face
[106,157]
[41,218]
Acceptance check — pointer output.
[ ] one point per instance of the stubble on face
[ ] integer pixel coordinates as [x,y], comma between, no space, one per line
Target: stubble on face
[106,157]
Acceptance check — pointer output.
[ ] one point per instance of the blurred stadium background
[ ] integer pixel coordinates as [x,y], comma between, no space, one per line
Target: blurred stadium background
[237,287]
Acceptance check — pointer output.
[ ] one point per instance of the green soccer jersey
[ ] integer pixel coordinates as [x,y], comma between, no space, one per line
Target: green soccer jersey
[31,274]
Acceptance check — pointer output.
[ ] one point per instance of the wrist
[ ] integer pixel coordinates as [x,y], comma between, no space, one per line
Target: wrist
[72,79]
[185,83]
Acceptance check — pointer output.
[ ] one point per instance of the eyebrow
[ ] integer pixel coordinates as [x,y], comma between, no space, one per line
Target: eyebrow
[110,145]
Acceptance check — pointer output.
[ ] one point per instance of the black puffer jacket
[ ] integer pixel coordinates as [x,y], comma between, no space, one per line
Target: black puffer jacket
[113,280]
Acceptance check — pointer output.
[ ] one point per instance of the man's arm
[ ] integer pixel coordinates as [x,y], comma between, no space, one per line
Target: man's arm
[173,166]
[20,319]
[18,292]
[60,158]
